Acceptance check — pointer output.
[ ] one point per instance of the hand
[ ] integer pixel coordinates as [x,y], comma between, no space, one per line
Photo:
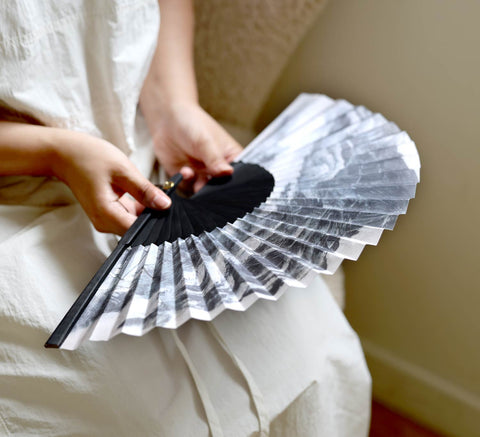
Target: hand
[189,140]
[99,175]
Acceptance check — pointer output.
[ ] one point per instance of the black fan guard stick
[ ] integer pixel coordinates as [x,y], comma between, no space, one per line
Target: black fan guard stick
[72,316]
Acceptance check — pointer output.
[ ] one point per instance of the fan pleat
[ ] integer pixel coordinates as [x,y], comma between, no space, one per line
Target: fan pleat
[165,314]
[237,271]
[209,217]
[287,253]
[296,144]
[211,277]
[136,324]
[334,119]
[295,141]
[351,217]
[292,119]
[367,234]
[92,312]
[119,301]
[374,168]
[144,293]
[344,247]
[263,267]
[369,205]
[332,163]
[202,302]
[297,267]
[374,124]
[338,118]
[404,192]
[398,177]
[185,222]
[303,108]
[201,216]
[185,303]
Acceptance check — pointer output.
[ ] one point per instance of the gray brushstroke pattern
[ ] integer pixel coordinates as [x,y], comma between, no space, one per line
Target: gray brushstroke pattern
[342,176]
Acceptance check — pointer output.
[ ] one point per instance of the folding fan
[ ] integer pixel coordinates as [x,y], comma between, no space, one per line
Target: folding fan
[318,184]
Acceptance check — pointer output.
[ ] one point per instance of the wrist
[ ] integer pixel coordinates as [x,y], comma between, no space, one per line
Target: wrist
[163,91]
[26,149]
[159,107]
[157,95]
[61,147]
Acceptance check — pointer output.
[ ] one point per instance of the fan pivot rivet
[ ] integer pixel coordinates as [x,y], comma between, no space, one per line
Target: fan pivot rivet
[168,184]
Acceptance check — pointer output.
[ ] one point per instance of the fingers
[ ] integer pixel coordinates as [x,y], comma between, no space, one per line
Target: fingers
[121,219]
[116,215]
[189,136]
[187,173]
[143,190]
[215,162]
[111,217]
[133,206]
[200,182]
[213,157]
[234,149]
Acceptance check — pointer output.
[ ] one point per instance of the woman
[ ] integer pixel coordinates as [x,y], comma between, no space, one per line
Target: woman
[72,74]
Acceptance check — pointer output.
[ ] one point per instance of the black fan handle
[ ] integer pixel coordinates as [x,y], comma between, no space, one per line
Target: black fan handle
[169,187]
[65,326]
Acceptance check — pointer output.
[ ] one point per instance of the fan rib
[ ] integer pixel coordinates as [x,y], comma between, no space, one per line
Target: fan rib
[91,313]
[119,300]
[213,278]
[343,247]
[143,294]
[245,281]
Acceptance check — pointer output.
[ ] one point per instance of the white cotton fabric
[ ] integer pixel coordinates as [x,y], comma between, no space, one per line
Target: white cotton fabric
[296,364]
[78,64]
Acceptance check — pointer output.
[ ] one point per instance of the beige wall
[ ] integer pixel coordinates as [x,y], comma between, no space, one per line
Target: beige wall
[414,299]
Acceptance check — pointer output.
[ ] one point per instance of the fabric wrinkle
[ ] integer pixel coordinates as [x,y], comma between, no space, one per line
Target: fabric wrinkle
[210,412]
[255,393]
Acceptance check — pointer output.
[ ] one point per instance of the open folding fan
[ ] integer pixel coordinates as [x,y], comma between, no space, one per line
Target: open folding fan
[324,179]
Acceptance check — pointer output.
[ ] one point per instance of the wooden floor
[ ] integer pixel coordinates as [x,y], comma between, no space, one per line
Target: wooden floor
[386,423]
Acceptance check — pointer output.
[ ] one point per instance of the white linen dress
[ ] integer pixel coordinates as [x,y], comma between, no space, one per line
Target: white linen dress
[290,368]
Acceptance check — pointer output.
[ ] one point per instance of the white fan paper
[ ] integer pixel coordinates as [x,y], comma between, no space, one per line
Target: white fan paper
[342,175]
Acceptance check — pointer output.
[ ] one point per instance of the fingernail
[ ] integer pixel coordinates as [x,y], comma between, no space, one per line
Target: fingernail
[162,201]
[187,172]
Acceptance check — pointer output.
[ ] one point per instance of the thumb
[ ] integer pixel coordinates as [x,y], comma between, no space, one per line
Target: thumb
[213,159]
[143,190]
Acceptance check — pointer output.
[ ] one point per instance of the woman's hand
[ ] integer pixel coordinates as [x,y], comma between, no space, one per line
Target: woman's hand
[189,140]
[186,138]
[100,175]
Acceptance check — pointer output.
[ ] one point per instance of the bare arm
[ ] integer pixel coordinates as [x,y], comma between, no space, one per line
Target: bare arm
[186,138]
[25,149]
[171,77]
[96,171]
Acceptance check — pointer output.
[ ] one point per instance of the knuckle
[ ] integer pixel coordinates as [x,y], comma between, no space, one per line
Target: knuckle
[147,190]
[202,143]
[99,225]
[100,218]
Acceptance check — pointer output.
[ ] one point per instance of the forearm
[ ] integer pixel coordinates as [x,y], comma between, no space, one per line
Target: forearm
[35,150]
[186,138]
[171,77]
[27,149]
